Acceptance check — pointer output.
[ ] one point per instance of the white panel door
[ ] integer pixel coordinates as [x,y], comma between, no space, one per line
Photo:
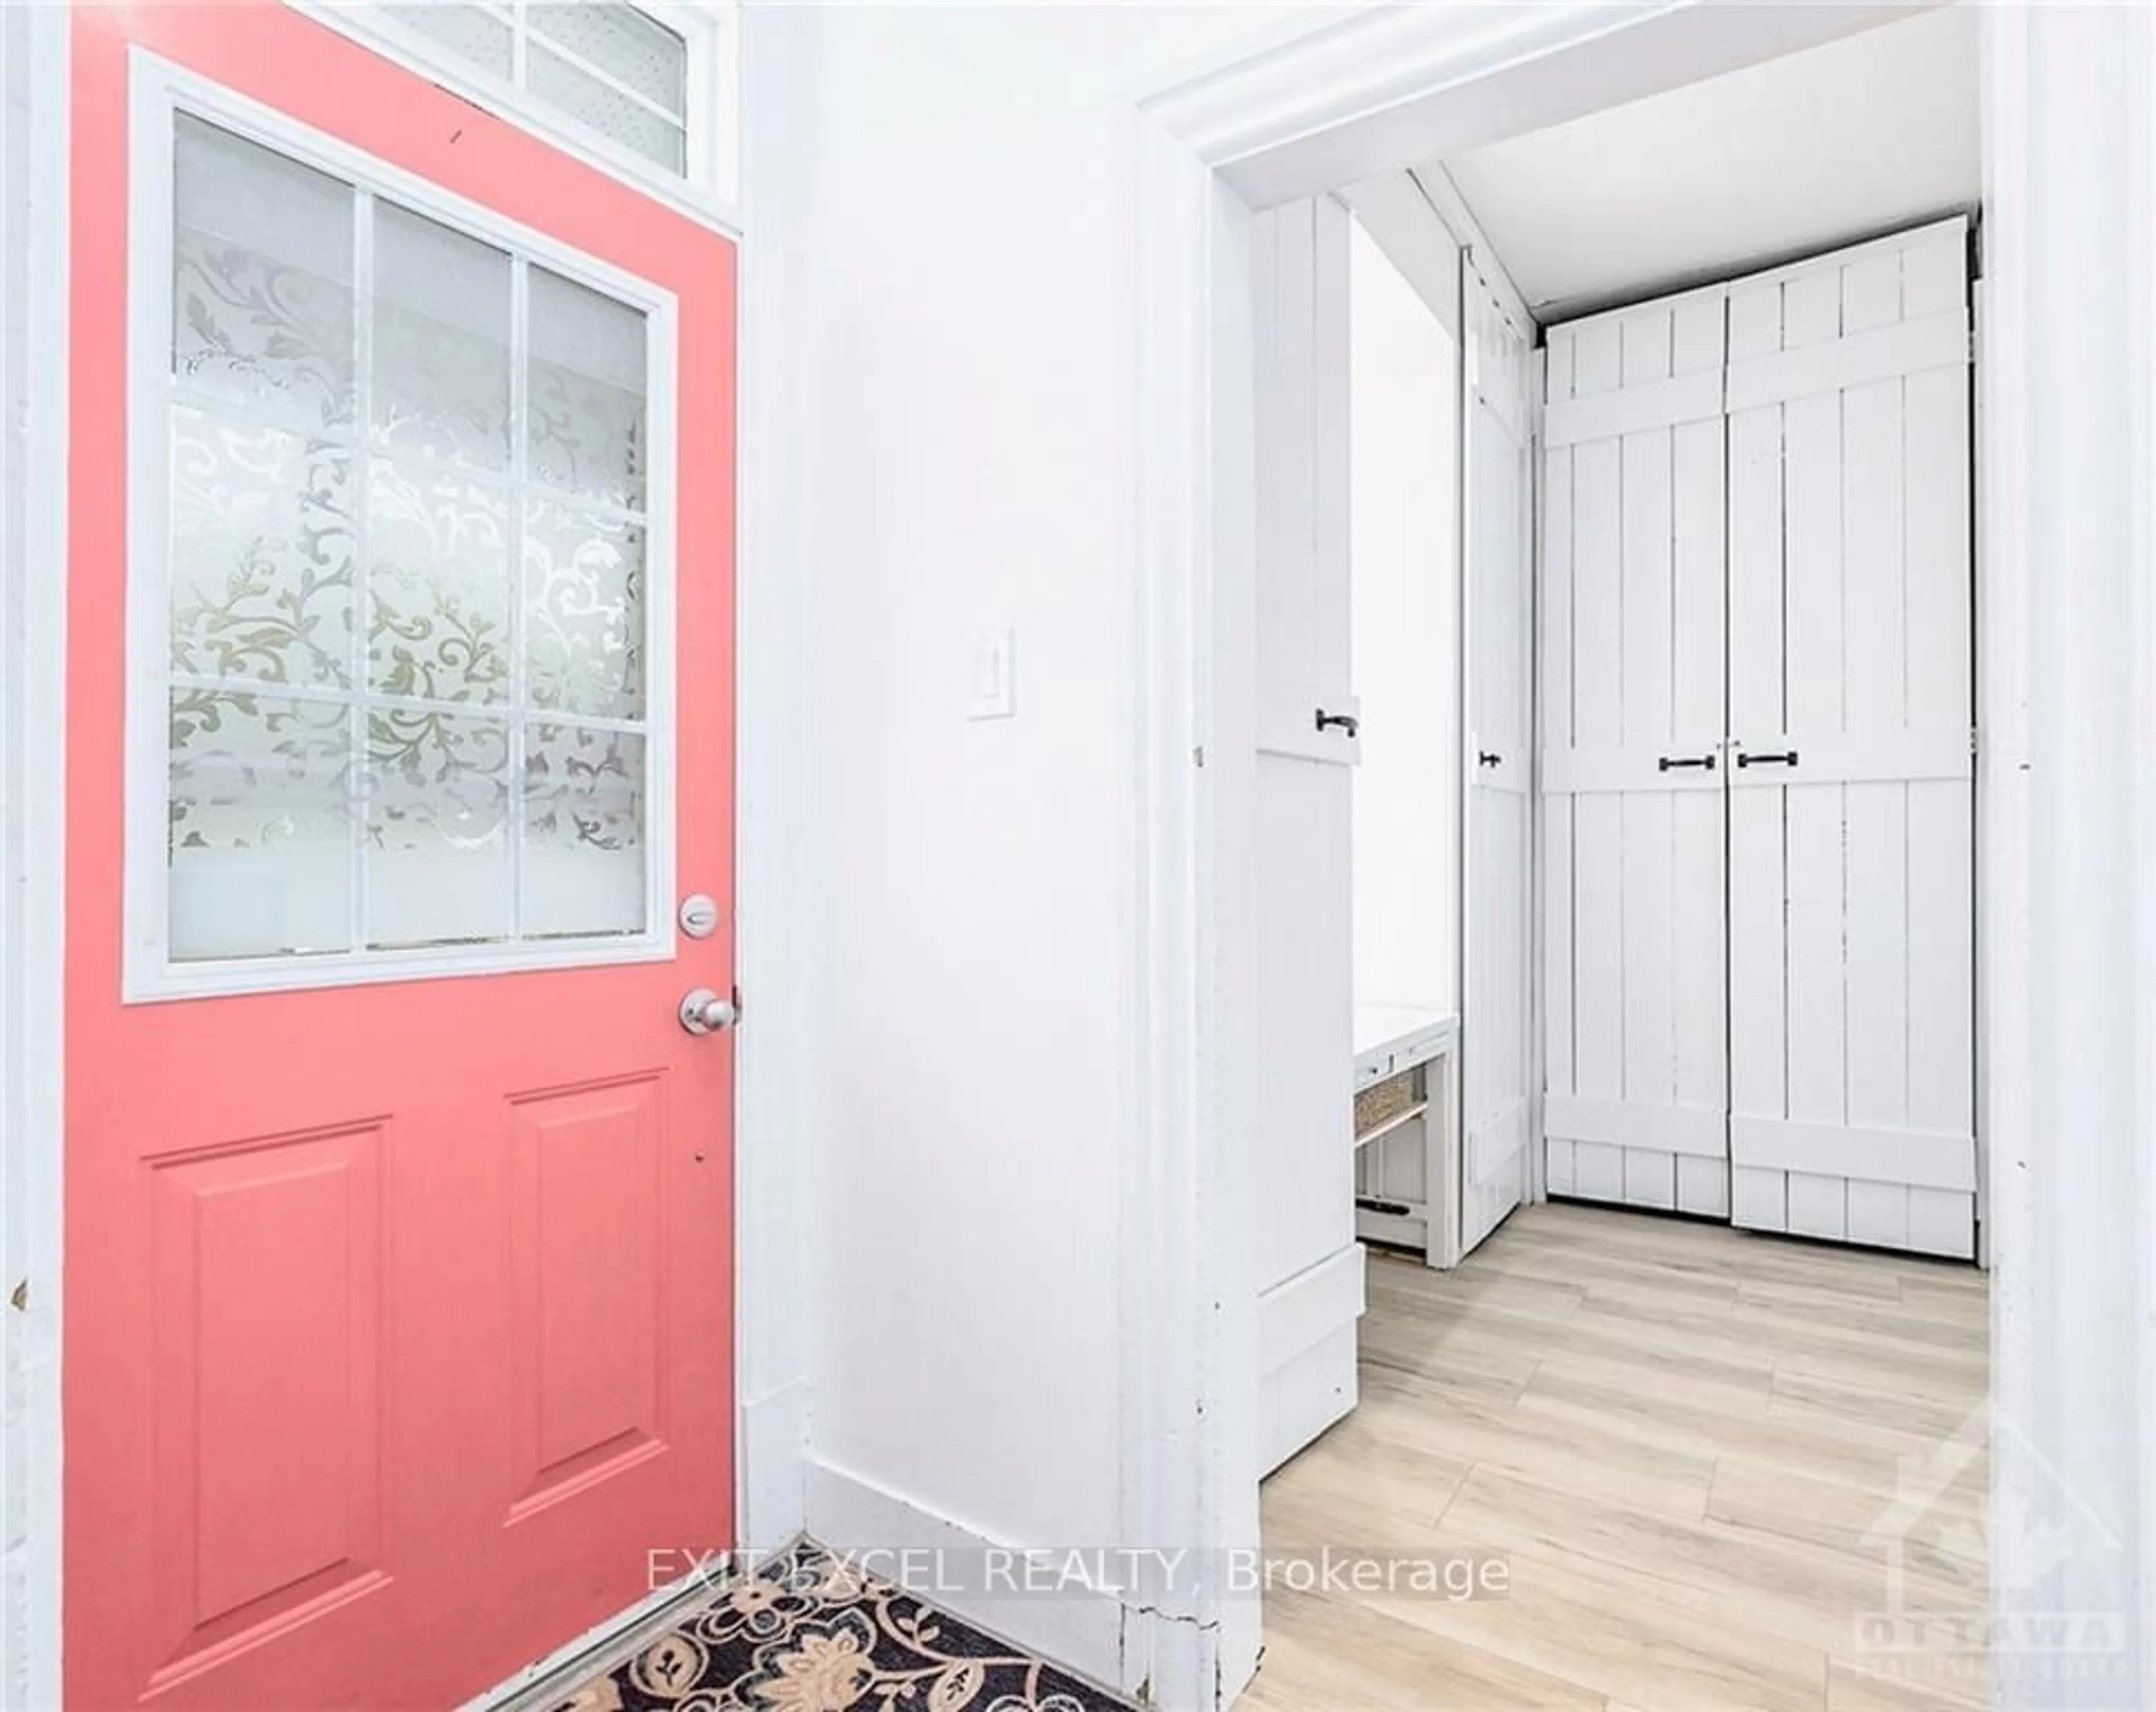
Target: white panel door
[1496,1054]
[1850,904]
[1309,1273]
[1635,1040]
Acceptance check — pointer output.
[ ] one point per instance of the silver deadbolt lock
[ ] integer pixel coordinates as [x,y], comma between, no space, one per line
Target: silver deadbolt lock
[700,915]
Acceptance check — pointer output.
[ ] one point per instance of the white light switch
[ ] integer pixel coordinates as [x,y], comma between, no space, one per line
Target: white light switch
[991,659]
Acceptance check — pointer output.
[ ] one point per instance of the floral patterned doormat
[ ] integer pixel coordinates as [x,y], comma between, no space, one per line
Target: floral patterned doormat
[809,1632]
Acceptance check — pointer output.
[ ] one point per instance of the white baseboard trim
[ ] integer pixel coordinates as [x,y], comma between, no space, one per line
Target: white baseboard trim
[1299,1400]
[1312,1305]
[773,1453]
[1078,1627]
[1307,1353]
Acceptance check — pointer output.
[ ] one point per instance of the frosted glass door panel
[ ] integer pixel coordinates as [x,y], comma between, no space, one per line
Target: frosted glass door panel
[583,870]
[441,342]
[437,829]
[262,578]
[262,279]
[588,389]
[583,589]
[259,806]
[406,577]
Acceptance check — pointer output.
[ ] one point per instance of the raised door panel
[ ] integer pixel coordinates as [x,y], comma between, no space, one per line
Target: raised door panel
[268,1500]
[588,1260]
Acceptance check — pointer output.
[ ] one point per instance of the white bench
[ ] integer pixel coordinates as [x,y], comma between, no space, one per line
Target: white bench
[1404,1193]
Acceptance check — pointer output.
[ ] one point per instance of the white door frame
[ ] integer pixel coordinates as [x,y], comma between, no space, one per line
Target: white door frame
[33,451]
[2067,98]
[771,1331]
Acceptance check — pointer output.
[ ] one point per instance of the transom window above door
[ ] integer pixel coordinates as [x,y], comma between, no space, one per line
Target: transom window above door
[612,67]
[649,91]
[400,586]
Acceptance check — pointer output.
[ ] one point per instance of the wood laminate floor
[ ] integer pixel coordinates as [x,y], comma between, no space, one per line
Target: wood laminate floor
[1683,1443]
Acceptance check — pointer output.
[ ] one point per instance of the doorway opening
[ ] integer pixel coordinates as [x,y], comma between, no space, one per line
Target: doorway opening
[1730,340]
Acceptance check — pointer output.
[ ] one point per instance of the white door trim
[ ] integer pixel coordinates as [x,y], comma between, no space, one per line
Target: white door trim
[776,958]
[1349,99]
[33,218]
[2067,803]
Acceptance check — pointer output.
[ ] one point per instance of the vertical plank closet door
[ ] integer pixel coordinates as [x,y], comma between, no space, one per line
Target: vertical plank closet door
[1498,939]
[1633,779]
[1310,1267]
[1850,904]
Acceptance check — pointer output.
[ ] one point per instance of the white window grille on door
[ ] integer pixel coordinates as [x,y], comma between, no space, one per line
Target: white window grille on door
[399,579]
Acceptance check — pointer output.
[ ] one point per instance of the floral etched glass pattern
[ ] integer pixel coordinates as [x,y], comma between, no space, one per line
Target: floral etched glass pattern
[437,828]
[584,618]
[441,340]
[262,279]
[259,812]
[408,565]
[262,584]
[583,831]
[438,585]
[586,392]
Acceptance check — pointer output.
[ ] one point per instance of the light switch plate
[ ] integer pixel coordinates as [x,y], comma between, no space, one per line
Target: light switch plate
[991,675]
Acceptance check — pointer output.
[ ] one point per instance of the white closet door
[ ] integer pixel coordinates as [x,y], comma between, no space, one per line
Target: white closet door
[1310,1267]
[1635,1040]
[1495,997]
[1850,905]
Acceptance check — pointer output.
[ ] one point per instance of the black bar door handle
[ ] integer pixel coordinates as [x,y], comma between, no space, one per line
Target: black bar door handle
[1787,758]
[1675,764]
[1345,722]
[1488,758]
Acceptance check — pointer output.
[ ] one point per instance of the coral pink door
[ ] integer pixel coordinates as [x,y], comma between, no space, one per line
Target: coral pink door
[398,1277]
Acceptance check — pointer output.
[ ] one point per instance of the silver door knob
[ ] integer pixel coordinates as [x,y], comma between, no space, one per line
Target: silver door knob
[703,1012]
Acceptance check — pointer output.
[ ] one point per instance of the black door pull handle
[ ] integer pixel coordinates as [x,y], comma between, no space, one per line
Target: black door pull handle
[1787,758]
[1671,764]
[1489,758]
[1346,722]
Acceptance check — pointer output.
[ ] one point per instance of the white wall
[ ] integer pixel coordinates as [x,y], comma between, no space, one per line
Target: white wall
[1404,556]
[955,429]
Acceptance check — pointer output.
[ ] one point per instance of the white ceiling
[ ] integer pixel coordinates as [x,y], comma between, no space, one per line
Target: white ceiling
[1873,132]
